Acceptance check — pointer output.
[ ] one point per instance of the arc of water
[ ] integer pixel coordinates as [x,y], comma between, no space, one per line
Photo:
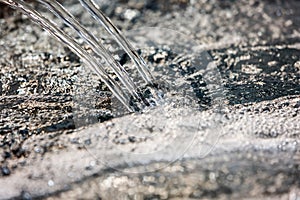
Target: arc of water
[122,41]
[62,36]
[97,47]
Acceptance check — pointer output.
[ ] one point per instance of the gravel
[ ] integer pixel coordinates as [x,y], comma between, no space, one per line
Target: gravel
[63,135]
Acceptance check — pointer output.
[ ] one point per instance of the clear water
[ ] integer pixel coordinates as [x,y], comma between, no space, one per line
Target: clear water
[185,77]
[185,68]
[122,41]
[129,94]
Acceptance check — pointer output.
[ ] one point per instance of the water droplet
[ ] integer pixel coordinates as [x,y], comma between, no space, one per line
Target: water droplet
[50,183]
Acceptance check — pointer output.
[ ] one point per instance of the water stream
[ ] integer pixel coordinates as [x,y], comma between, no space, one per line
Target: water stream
[129,95]
[184,76]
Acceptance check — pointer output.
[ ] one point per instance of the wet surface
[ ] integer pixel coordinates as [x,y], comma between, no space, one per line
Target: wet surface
[183,180]
[255,46]
[259,73]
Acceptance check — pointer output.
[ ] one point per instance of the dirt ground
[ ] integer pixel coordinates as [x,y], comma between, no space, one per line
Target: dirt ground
[244,145]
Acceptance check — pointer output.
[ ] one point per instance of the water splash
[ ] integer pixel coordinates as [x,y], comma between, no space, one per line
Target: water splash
[130,97]
[95,45]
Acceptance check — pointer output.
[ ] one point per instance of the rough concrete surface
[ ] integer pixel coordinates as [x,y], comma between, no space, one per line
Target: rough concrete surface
[242,145]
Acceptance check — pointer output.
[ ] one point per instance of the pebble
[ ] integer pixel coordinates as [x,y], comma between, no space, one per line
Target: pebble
[5,171]
[131,14]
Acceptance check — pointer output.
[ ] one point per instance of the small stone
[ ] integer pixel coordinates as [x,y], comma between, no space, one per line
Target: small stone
[37,149]
[5,171]
[6,155]
[272,63]
[251,69]
[87,142]
[132,139]
[297,65]
[26,196]
[288,23]
[131,14]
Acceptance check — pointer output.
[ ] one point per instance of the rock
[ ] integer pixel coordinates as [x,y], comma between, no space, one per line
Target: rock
[5,171]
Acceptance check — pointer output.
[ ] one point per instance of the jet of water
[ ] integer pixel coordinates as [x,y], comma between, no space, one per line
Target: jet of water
[98,49]
[123,42]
